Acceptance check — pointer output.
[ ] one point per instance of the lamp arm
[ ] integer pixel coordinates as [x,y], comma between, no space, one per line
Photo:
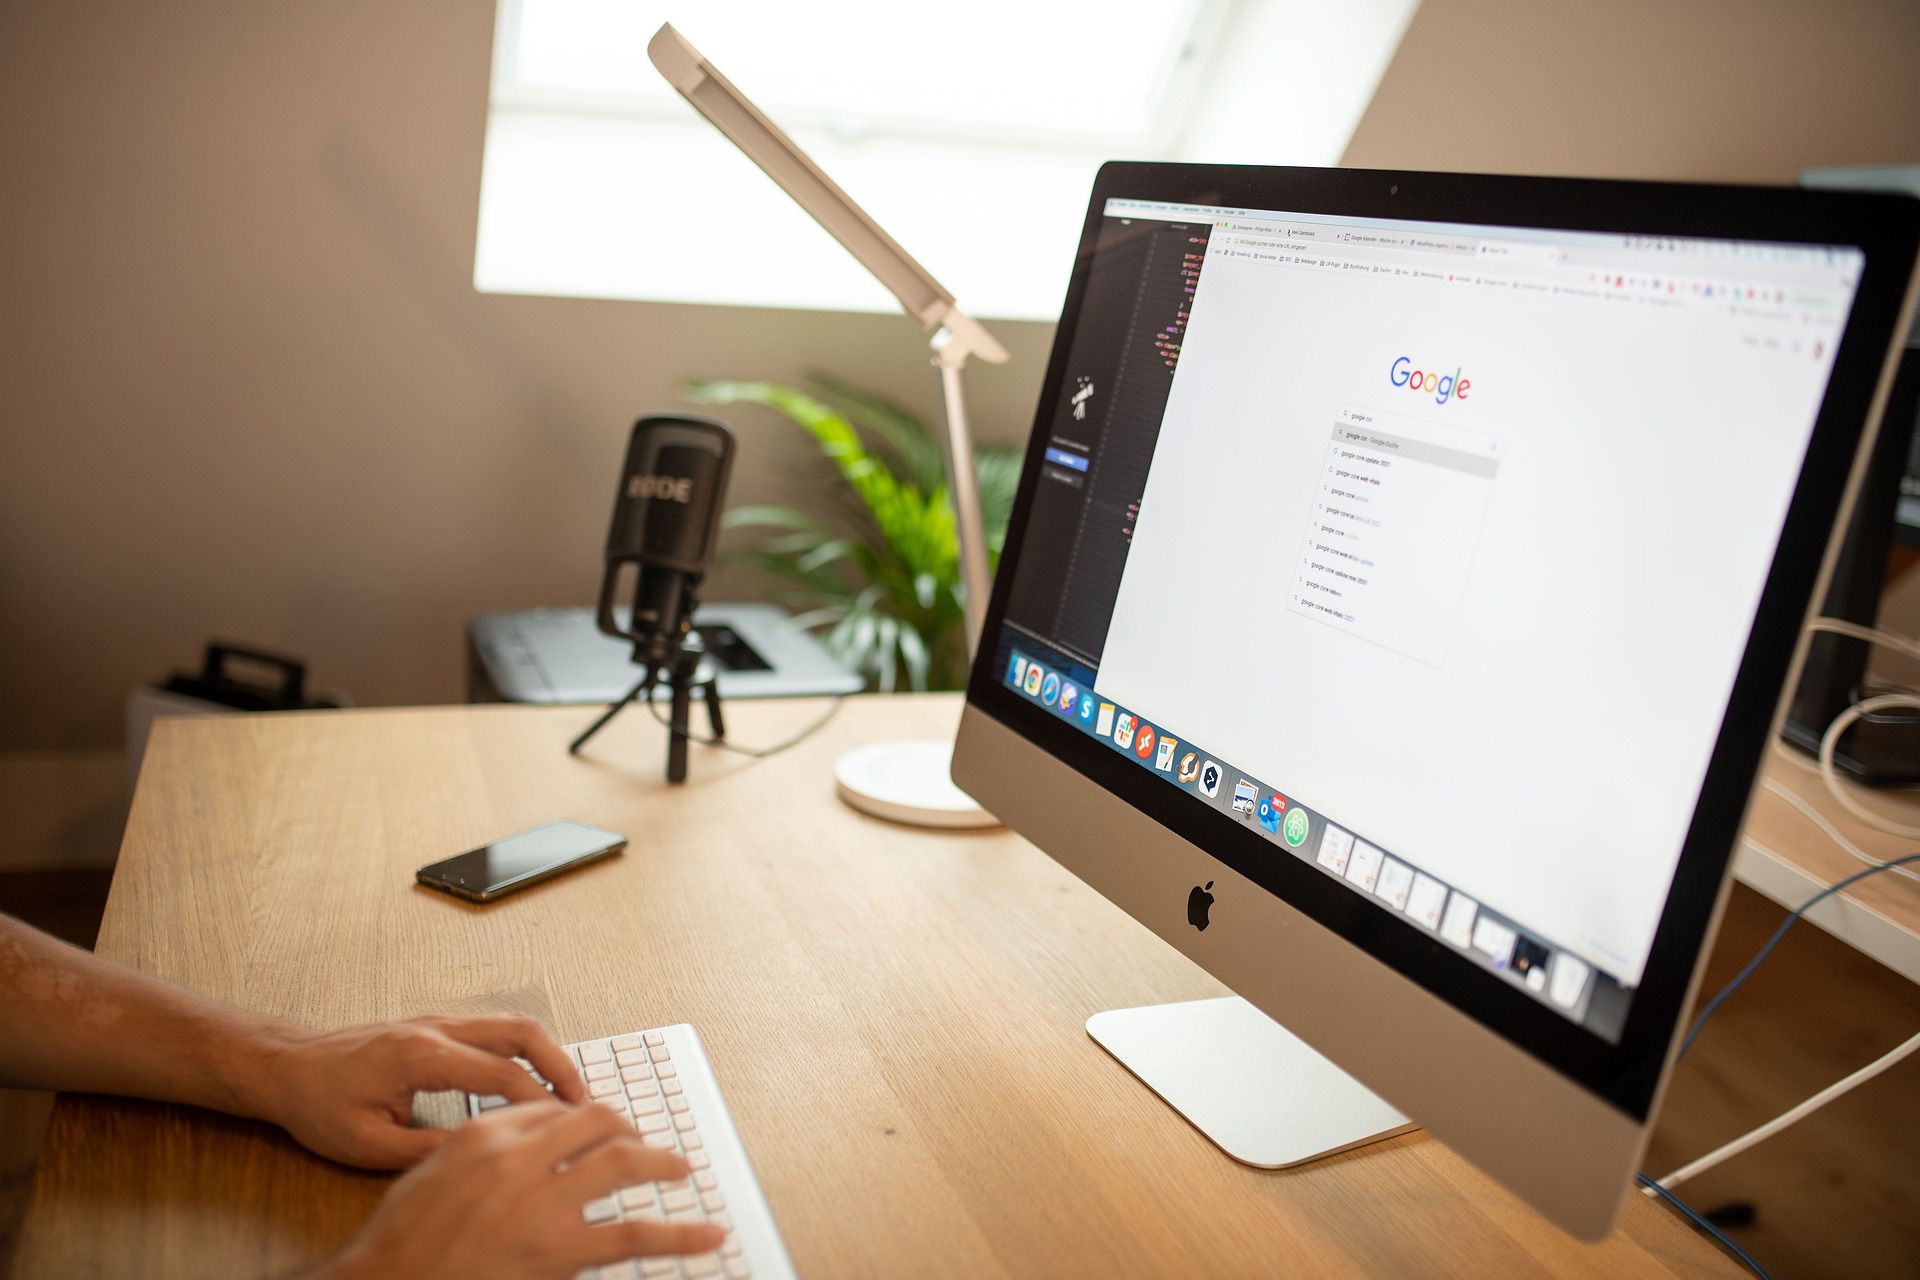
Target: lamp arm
[963,485]
[956,334]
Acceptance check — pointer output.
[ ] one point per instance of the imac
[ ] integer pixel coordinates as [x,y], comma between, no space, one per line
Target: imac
[1394,615]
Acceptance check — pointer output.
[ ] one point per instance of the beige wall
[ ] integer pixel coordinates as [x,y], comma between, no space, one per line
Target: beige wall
[247,389]
[1709,90]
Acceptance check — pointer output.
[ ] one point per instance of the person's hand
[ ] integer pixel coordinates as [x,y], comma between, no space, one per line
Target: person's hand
[502,1197]
[348,1094]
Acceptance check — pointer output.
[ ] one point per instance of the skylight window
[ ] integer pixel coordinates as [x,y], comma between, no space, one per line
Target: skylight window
[971,134]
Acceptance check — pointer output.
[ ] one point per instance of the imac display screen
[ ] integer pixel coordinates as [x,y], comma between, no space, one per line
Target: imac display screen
[1427,553]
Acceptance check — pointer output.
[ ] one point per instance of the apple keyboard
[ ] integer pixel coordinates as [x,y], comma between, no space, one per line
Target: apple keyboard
[660,1080]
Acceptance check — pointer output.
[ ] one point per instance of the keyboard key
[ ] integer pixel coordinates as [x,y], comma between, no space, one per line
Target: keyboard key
[663,1139]
[657,1052]
[712,1201]
[686,1217]
[692,1141]
[659,1267]
[641,1074]
[644,1106]
[602,1088]
[492,1102]
[636,1197]
[656,1038]
[666,1069]
[737,1269]
[704,1180]
[650,1124]
[602,1210]
[593,1051]
[632,1041]
[670,1087]
[620,1271]
[678,1200]
[676,1104]
[700,1266]
[722,1220]
[600,1071]
[632,1058]
[684,1123]
[613,1102]
[731,1249]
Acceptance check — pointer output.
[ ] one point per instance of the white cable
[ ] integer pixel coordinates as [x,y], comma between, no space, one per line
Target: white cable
[1831,738]
[1786,1118]
[1832,832]
[1847,718]
[1872,635]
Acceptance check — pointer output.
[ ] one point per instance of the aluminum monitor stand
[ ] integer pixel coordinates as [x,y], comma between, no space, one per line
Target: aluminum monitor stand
[1253,1087]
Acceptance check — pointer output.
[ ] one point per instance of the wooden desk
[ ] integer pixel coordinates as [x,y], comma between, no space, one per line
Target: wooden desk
[896,1015]
[1786,856]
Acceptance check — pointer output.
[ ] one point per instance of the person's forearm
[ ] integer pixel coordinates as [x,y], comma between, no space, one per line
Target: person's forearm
[70,1020]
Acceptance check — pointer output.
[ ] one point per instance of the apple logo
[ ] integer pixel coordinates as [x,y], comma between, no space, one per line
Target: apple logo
[1199,902]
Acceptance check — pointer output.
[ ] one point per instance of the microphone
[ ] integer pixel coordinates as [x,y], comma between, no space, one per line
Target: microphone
[666,520]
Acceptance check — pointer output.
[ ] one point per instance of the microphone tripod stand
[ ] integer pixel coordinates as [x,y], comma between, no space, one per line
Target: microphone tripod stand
[685,676]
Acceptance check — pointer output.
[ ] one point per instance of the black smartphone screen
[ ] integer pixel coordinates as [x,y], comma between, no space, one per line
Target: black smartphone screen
[522,859]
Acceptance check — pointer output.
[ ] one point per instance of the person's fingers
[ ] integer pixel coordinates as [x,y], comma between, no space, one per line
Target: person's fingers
[621,1161]
[568,1137]
[618,1240]
[505,1126]
[396,1147]
[516,1035]
[444,1063]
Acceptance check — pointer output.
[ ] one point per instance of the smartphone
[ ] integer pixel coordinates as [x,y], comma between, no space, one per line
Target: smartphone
[497,869]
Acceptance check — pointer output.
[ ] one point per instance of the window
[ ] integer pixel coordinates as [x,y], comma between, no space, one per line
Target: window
[971,134]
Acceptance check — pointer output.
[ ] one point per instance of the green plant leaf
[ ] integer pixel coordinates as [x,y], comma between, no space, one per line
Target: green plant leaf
[916,449]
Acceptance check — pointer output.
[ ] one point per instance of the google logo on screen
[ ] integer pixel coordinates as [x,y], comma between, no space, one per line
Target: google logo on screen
[1444,386]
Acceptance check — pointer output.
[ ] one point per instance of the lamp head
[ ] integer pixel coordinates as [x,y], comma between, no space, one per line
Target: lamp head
[729,111]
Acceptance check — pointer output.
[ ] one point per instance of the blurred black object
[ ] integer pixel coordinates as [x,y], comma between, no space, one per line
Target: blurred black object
[217,683]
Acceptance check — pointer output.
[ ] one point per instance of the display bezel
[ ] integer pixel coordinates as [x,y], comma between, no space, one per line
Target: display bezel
[1887,231]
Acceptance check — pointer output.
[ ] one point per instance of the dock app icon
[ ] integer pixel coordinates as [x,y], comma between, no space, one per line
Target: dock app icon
[1104,725]
[1123,731]
[1209,779]
[1270,812]
[1164,761]
[1244,795]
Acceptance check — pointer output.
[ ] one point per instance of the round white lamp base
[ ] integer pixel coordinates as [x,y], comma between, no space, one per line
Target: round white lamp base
[908,781]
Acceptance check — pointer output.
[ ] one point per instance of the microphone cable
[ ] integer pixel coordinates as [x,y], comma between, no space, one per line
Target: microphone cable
[757,753]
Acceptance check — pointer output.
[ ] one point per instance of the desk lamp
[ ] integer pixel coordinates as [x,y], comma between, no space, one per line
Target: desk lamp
[906,781]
